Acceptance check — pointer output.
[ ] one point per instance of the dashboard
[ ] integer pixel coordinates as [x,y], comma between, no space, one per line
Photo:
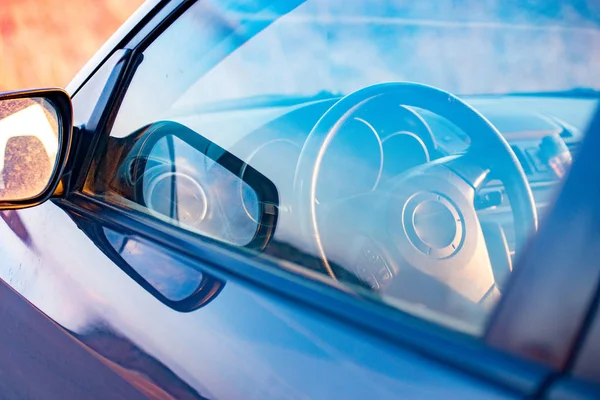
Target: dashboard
[269,137]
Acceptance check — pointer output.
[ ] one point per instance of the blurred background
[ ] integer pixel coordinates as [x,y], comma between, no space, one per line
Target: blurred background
[46,42]
[468,46]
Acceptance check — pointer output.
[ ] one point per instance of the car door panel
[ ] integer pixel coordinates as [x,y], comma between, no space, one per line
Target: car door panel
[39,359]
[244,343]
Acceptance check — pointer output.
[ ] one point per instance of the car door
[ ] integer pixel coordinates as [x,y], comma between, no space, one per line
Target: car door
[242,325]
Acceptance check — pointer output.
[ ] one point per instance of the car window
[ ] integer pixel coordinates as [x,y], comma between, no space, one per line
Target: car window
[328,137]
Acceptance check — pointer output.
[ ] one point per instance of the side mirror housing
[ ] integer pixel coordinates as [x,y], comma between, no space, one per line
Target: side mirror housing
[35,139]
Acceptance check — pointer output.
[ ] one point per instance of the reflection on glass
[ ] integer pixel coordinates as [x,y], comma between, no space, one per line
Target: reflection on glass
[28,147]
[185,185]
[382,215]
[171,277]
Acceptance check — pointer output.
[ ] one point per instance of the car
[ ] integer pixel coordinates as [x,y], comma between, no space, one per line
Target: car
[309,199]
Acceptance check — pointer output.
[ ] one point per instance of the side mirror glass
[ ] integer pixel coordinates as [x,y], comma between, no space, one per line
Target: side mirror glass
[179,176]
[35,135]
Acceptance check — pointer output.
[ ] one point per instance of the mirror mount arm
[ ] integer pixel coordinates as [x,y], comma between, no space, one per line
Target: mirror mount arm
[69,178]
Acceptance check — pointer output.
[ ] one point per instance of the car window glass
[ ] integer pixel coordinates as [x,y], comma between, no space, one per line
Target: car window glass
[289,129]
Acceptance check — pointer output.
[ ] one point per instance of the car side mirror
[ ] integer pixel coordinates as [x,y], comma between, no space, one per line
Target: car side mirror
[179,176]
[35,138]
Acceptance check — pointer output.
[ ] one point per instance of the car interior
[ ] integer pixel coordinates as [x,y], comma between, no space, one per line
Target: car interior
[401,190]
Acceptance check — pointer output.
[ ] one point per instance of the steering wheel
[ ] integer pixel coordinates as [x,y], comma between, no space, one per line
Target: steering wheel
[419,233]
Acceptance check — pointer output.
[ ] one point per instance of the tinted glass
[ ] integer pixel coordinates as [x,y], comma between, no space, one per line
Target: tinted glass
[402,192]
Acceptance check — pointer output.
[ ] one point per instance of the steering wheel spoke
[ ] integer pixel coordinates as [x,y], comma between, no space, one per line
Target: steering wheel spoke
[353,236]
[469,167]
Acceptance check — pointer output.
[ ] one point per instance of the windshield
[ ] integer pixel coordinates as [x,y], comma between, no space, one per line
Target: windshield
[469,47]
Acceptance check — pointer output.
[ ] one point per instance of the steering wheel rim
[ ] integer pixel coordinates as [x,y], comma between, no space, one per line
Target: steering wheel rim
[482,132]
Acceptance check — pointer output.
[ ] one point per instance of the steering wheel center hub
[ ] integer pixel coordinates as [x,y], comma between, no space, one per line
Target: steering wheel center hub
[433,224]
